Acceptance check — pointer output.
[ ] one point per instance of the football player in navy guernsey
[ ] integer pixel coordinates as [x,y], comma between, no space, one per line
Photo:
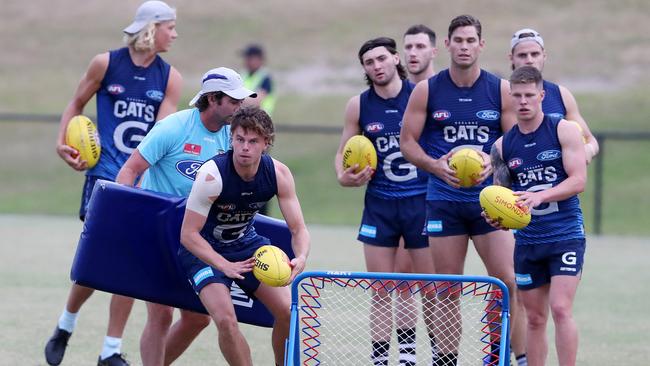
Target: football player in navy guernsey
[218,238]
[543,159]
[462,106]
[394,202]
[134,88]
[527,48]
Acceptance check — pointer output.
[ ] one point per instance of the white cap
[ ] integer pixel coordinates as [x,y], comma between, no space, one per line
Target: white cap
[526,34]
[150,11]
[225,80]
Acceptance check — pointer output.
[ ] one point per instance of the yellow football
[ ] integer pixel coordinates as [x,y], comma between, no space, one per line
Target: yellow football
[499,204]
[468,164]
[271,266]
[81,134]
[359,150]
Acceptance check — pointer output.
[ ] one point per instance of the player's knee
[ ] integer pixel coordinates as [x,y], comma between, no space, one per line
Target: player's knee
[283,316]
[196,321]
[561,311]
[227,324]
[535,319]
[160,317]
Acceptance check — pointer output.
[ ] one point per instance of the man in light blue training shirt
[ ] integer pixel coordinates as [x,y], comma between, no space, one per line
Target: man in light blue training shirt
[169,156]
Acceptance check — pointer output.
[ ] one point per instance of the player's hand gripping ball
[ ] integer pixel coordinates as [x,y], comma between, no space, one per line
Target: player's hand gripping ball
[271,266]
[468,164]
[81,134]
[499,203]
[359,150]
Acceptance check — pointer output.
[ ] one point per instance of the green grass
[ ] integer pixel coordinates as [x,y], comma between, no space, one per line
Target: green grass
[36,254]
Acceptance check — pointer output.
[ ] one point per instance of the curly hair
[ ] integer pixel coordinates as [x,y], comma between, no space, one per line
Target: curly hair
[254,119]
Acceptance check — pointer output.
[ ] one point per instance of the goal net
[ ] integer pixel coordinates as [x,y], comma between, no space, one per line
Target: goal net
[339,318]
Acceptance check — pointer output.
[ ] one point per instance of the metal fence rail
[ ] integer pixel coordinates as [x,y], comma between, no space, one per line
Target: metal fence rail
[602,138]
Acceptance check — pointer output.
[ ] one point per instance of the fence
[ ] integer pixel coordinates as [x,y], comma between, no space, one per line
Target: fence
[603,137]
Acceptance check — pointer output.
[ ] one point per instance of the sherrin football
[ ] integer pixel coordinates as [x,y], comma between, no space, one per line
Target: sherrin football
[499,204]
[468,164]
[359,150]
[271,266]
[81,134]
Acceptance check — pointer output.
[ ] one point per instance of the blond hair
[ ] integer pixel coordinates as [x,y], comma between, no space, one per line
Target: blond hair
[144,40]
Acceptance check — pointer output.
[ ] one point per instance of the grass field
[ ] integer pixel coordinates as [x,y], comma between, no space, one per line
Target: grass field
[598,48]
[36,253]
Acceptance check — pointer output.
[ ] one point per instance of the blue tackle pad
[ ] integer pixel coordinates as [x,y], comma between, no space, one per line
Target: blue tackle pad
[128,246]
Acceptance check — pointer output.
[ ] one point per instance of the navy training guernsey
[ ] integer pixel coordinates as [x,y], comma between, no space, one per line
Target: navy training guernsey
[380,120]
[535,164]
[552,104]
[459,117]
[231,215]
[128,101]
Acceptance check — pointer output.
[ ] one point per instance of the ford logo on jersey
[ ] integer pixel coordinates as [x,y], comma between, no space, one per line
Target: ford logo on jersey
[188,168]
[156,95]
[374,127]
[441,115]
[115,89]
[488,115]
[549,155]
[555,115]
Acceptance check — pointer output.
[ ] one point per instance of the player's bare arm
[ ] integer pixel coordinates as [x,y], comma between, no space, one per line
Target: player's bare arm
[508,113]
[206,189]
[132,169]
[292,213]
[412,126]
[573,114]
[169,105]
[347,177]
[574,162]
[88,86]
[499,167]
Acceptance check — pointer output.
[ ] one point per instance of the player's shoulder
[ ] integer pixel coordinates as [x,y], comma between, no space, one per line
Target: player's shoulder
[354,104]
[178,121]
[281,169]
[99,64]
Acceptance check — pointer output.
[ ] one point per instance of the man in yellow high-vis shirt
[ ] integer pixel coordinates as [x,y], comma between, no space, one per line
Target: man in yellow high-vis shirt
[257,78]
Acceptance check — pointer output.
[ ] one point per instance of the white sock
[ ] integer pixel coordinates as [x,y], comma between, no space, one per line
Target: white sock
[112,346]
[68,320]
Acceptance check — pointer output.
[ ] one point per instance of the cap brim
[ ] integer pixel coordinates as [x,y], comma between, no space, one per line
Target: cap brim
[195,99]
[240,93]
[135,27]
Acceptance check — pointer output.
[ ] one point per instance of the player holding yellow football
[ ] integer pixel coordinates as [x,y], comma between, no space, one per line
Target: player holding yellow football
[543,159]
[134,87]
[394,202]
[219,239]
[462,106]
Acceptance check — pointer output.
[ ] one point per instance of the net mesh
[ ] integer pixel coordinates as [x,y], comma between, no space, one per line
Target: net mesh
[340,318]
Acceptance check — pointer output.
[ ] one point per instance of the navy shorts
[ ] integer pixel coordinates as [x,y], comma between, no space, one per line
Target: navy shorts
[535,264]
[385,221]
[89,184]
[449,218]
[201,274]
